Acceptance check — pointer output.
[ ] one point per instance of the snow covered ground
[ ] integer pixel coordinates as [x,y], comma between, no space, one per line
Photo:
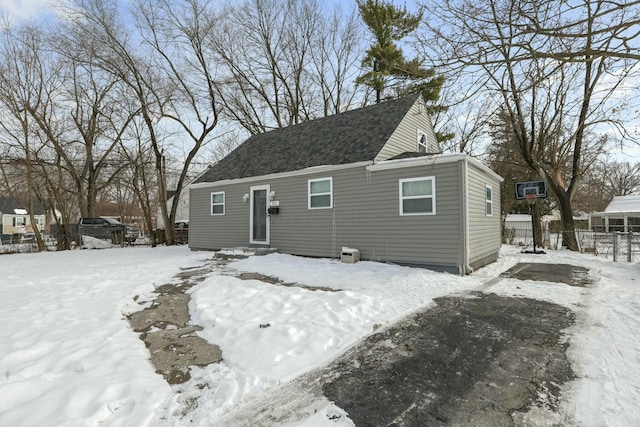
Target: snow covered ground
[68,356]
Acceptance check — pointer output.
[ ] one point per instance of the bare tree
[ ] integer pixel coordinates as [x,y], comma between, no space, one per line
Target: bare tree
[335,52]
[621,178]
[612,30]
[224,145]
[69,106]
[140,177]
[606,179]
[180,33]
[462,127]
[22,79]
[164,64]
[285,62]
[554,107]
[84,126]
[98,29]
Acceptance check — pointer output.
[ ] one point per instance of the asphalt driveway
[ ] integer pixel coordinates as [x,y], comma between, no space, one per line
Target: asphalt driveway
[475,360]
[478,359]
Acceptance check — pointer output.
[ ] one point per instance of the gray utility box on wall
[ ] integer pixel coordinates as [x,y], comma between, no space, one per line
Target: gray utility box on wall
[349,255]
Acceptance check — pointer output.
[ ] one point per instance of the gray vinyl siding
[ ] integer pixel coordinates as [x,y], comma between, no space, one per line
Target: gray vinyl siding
[219,231]
[484,231]
[369,218]
[365,216]
[405,137]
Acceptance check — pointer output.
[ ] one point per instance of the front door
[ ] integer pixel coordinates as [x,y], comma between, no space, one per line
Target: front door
[259,218]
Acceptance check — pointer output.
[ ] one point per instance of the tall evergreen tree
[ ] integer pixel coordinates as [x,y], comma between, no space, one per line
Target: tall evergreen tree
[385,62]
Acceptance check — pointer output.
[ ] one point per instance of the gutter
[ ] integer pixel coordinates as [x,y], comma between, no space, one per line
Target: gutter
[466,251]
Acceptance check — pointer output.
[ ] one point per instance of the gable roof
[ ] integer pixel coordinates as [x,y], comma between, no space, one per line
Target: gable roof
[349,137]
[8,205]
[624,204]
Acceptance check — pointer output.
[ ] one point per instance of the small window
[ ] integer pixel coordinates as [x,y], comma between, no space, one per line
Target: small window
[417,196]
[489,201]
[18,221]
[422,142]
[321,193]
[217,203]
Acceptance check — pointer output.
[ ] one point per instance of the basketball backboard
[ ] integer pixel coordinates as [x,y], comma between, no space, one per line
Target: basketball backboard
[528,189]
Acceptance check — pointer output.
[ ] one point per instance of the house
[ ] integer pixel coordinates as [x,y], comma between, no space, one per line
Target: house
[182,211]
[372,179]
[622,214]
[15,216]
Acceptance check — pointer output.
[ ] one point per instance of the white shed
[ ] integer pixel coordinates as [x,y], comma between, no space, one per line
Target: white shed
[622,214]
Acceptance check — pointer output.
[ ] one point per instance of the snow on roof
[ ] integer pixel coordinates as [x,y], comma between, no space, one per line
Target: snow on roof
[624,204]
[20,211]
[518,217]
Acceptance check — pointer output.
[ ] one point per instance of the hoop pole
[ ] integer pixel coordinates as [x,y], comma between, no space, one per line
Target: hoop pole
[532,202]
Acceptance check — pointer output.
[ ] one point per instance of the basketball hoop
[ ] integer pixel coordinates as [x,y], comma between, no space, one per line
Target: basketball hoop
[531,198]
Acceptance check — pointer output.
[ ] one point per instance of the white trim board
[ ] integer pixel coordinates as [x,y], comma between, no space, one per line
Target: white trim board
[431,160]
[300,172]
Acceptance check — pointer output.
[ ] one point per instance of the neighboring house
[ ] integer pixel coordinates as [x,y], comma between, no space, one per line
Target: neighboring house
[182,211]
[622,214]
[15,216]
[372,179]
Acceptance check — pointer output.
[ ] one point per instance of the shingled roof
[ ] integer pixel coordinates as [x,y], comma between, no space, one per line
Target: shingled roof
[8,205]
[349,137]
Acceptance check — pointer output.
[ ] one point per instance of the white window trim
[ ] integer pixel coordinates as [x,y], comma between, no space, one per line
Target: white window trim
[433,195]
[224,208]
[488,201]
[330,193]
[426,140]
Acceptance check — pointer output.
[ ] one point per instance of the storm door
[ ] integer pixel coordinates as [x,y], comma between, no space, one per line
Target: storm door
[259,218]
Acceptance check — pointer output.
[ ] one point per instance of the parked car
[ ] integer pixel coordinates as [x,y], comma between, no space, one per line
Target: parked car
[132,232]
[181,224]
[103,228]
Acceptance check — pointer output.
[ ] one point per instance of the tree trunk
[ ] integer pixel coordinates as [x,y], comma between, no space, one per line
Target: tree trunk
[36,230]
[537,224]
[568,227]
[162,187]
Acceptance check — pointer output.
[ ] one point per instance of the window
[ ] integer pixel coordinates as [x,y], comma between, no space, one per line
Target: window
[489,201]
[217,203]
[321,193]
[18,221]
[418,196]
[422,142]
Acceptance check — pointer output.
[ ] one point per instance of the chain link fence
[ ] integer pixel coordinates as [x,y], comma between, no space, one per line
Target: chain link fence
[619,246]
[524,238]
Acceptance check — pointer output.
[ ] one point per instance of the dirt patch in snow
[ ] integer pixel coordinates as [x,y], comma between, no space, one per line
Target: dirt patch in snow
[276,281]
[173,344]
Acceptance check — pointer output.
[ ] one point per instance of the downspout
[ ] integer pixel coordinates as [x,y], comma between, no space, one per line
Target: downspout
[466,268]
